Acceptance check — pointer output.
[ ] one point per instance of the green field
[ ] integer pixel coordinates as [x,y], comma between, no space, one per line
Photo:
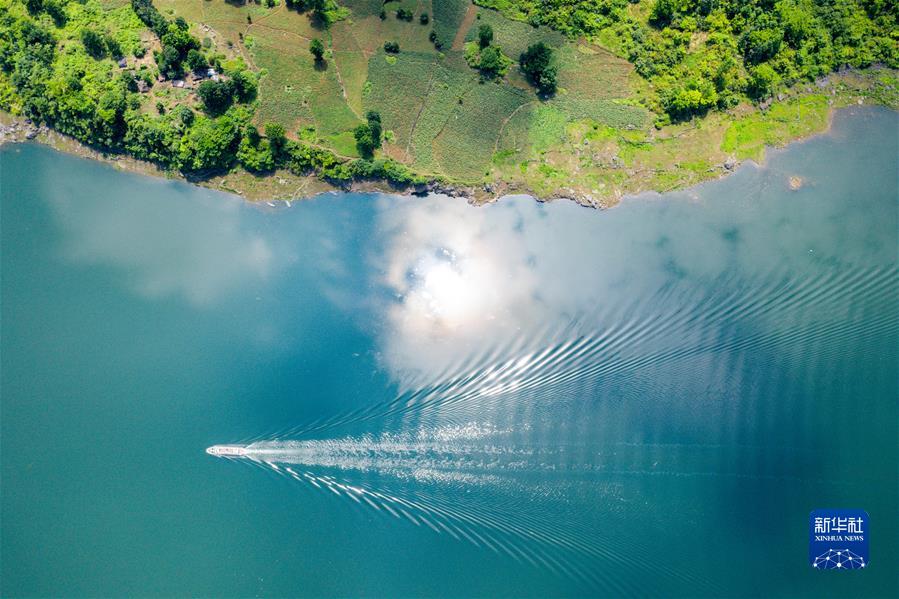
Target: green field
[442,119]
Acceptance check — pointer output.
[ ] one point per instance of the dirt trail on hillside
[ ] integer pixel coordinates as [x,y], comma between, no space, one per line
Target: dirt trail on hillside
[470,16]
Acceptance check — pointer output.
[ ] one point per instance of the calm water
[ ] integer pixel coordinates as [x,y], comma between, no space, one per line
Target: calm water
[520,399]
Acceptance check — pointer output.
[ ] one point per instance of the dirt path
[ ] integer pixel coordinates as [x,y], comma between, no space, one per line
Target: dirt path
[470,16]
[418,116]
[505,122]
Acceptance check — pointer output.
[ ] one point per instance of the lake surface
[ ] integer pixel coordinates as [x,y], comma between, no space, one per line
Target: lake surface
[520,399]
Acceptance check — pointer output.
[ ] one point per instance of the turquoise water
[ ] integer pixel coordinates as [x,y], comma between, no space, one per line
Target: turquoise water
[522,399]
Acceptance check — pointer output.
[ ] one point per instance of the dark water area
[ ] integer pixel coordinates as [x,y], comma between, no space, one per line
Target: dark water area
[520,399]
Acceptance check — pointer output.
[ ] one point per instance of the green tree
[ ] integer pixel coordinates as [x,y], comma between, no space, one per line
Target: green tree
[210,144]
[276,137]
[374,124]
[169,62]
[255,154]
[485,35]
[365,142]
[185,115]
[491,61]
[195,60]
[243,86]
[113,46]
[536,64]
[763,80]
[317,48]
[94,44]
[216,96]
[761,44]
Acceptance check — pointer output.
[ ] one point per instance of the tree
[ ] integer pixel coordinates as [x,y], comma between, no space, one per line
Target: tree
[34,6]
[113,46]
[276,138]
[57,11]
[94,44]
[365,142]
[491,61]
[254,154]
[185,115]
[761,44]
[209,144]
[424,19]
[242,86]
[549,81]
[536,64]
[485,35]
[663,12]
[762,81]
[317,48]
[195,60]
[374,124]
[216,96]
[169,62]
[391,47]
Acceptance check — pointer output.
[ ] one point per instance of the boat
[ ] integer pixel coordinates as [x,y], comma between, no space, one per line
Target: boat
[227,451]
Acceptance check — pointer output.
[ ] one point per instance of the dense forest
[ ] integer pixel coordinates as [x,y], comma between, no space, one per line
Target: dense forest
[698,55]
[749,47]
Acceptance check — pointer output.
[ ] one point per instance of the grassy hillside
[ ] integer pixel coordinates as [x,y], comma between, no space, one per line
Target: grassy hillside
[650,94]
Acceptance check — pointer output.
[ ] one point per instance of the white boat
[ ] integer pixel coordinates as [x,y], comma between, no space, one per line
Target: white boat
[227,450]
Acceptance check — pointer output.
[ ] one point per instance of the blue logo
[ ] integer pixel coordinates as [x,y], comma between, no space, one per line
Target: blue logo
[838,539]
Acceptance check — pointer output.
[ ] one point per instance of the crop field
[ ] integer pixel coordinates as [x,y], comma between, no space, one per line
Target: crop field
[399,91]
[448,16]
[439,117]
[513,37]
[465,144]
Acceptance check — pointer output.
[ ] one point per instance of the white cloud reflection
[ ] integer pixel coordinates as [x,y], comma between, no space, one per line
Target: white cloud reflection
[165,243]
[472,281]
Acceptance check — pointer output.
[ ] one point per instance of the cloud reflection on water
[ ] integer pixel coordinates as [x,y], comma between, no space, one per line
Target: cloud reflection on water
[167,244]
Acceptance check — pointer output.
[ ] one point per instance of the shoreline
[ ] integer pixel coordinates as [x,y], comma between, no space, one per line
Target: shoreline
[283,186]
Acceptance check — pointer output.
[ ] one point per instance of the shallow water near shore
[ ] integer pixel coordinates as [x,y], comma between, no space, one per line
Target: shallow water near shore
[518,399]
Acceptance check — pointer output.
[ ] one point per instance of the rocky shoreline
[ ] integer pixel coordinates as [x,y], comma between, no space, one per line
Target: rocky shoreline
[21,130]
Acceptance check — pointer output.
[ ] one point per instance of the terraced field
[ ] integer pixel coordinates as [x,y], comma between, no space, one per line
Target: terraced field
[440,117]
